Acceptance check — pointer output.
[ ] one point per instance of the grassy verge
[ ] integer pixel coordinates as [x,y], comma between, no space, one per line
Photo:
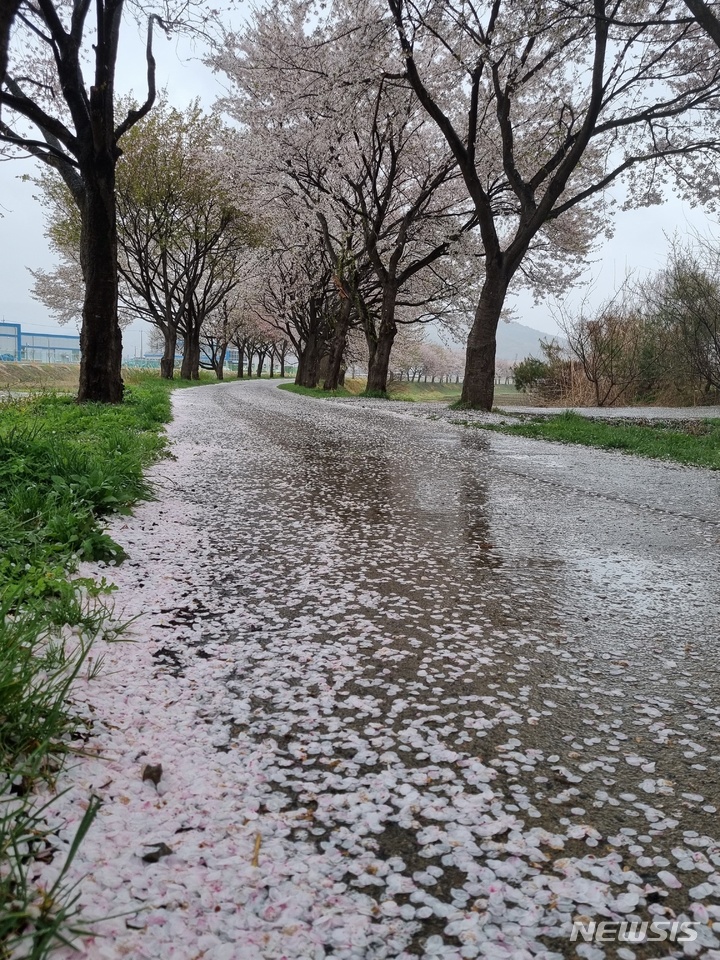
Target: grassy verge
[38,376]
[317,391]
[417,392]
[695,442]
[26,377]
[408,392]
[63,467]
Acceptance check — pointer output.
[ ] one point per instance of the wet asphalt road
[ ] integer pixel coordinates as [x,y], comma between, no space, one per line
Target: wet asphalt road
[486,667]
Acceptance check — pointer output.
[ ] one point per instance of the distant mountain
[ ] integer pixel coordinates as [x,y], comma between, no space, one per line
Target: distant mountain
[515,341]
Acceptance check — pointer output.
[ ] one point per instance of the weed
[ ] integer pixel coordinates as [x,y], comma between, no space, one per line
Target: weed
[695,443]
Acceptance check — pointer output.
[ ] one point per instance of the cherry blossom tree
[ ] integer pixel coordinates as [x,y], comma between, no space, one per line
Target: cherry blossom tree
[504,371]
[438,363]
[215,339]
[292,293]
[399,188]
[547,106]
[259,340]
[238,322]
[50,112]
[224,327]
[408,355]
[332,131]
[61,289]
[8,9]
[706,16]
[350,274]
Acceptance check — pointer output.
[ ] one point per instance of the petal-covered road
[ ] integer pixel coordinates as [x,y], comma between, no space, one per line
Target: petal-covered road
[417,691]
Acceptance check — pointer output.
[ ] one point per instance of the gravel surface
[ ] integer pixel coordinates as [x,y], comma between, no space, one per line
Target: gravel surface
[417,691]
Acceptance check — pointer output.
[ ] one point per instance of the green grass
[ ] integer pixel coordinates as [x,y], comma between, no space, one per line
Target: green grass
[316,391]
[408,392]
[696,443]
[417,392]
[63,468]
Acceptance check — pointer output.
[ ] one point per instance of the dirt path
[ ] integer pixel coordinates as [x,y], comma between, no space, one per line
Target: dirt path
[417,692]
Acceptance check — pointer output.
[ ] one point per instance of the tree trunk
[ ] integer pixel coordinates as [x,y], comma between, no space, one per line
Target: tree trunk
[337,347]
[241,364]
[100,337]
[220,367]
[272,364]
[8,9]
[380,359]
[261,364]
[479,381]
[249,364]
[370,339]
[167,363]
[191,351]
[196,353]
[300,372]
[186,366]
[309,362]
[282,364]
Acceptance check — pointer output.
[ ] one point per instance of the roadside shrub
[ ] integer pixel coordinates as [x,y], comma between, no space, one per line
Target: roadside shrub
[530,372]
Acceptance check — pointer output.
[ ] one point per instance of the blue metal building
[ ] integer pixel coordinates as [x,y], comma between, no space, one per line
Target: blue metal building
[37,347]
[10,341]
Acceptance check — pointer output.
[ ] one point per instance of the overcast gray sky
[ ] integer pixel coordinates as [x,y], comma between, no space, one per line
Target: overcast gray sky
[640,243]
